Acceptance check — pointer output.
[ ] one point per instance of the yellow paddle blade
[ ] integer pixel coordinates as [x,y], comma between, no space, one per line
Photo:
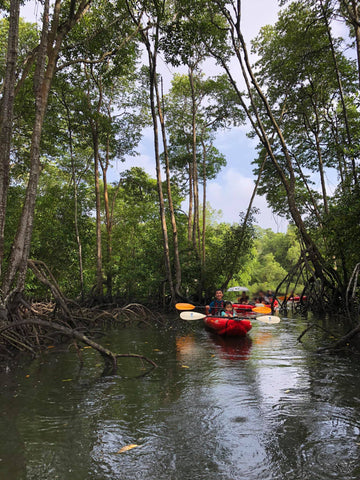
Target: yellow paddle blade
[184,306]
[261,309]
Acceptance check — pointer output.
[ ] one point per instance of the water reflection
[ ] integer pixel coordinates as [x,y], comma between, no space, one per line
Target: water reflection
[260,407]
[232,348]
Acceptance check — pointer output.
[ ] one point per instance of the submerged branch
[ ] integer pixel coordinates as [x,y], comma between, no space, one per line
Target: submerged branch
[346,340]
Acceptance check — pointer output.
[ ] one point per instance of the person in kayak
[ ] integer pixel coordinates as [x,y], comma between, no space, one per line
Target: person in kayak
[244,299]
[229,311]
[217,305]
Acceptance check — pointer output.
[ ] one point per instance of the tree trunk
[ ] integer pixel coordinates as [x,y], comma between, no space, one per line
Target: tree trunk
[94,126]
[42,82]
[194,164]
[47,55]
[190,209]
[75,190]
[99,271]
[108,220]
[151,43]
[6,115]
[177,265]
[316,131]
[203,239]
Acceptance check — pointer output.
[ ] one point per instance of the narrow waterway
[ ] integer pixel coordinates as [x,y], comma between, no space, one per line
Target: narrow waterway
[263,407]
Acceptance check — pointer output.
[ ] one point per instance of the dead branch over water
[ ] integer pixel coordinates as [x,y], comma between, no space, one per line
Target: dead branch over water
[32,327]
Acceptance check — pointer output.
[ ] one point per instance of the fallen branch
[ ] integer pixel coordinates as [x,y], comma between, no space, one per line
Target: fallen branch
[313,325]
[109,357]
[343,341]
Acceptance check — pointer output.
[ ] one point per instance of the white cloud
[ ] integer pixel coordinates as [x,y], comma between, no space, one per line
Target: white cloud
[231,192]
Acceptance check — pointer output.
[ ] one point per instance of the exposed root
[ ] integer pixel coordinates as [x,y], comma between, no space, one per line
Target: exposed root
[26,326]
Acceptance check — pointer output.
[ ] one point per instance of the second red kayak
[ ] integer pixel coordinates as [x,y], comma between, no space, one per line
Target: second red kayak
[234,327]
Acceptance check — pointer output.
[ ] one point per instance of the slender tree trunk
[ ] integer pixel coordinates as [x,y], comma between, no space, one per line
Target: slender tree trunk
[194,164]
[99,270]
[190,210]
[177,265]
[203,239]
[21,246]
[6,115]
[108,220]
[94,126]
[203,233]
[316,131]
[75,190]
[152,61]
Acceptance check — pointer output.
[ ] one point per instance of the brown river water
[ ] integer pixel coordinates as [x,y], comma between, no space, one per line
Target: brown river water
[264,407]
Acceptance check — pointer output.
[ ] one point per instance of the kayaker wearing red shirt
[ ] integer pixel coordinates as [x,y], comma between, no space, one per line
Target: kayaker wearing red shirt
[217,305]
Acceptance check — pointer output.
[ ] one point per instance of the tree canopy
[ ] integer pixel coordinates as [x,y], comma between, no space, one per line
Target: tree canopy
[77,92]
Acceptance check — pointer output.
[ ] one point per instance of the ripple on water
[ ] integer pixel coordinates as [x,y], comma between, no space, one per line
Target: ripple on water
[266,408]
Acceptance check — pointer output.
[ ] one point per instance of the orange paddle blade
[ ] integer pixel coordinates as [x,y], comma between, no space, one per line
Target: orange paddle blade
[184,306]
[261,309]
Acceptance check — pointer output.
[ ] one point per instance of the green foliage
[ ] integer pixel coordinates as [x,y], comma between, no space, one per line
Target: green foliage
[54,240]
[268,273]
[193,23]
[272,257]
[138,266]
[342,231]
[28,40]
[284,247]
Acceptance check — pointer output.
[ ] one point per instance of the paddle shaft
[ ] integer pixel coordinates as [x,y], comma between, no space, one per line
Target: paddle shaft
[190,316]
[189,306]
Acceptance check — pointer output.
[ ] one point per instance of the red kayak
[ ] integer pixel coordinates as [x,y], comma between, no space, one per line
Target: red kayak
[232,327]
[243,308]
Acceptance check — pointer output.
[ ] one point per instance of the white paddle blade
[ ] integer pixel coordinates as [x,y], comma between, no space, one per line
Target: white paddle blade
[191,315]
[268,319]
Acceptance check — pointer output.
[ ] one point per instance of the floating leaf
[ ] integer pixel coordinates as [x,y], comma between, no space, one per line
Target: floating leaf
[87,347]
[67,380]
[51,346]
[127,447]
[156,350]
[184,366]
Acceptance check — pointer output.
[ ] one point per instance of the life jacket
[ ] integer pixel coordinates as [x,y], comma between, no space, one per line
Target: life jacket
[216,306]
